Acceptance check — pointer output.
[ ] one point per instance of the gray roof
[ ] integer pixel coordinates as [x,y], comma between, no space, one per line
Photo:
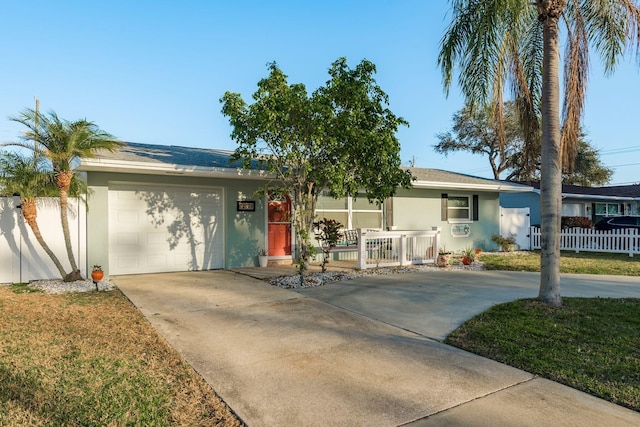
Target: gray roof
[170,155]
[438,175]
[612,191]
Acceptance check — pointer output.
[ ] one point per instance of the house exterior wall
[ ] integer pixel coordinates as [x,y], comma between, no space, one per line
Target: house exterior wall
[420,209]
[244,232]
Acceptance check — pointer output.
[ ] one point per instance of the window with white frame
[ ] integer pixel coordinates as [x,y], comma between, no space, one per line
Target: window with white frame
[603,210]
[351,213]
[458,208]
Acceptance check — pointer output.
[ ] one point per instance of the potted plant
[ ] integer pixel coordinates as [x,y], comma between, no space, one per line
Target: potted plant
[506,244]
[263,258]
[96,273]
[477,254]
[444,257]
[469,255]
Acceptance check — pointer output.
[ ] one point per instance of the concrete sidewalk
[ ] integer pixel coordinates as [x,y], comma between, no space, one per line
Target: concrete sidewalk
[280,358]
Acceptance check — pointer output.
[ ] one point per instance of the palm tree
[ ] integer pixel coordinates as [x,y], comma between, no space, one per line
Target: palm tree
[62,142]
[494,42]
[29,178]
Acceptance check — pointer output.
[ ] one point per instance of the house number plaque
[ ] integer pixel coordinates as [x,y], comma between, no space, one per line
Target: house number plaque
[246,206]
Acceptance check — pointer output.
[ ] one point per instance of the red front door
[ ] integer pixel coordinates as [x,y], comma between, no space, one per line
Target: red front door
[279,226]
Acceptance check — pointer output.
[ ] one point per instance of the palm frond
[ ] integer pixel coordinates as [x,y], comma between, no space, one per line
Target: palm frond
[612,27]
[575,82]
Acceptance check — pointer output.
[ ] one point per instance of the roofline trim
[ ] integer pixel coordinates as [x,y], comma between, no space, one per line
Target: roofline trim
[507,188]
[106,165]
[595,196]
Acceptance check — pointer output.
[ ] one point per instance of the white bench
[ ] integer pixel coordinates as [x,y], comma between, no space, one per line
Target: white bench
[348,242]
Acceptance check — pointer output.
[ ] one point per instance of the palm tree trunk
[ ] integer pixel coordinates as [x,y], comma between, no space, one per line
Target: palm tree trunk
[63,180]
[30,214]
[551,167]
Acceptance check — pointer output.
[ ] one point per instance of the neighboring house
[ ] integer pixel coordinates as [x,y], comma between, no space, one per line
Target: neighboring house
[594,203]
[164,208]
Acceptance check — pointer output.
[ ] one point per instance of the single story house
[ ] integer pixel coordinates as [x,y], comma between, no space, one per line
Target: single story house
[594,203]
[158,208]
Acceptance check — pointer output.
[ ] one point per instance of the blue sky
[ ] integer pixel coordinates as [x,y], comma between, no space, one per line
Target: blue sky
[154,71]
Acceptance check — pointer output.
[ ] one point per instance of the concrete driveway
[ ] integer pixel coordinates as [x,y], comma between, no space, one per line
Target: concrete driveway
[282,358]
[434,303]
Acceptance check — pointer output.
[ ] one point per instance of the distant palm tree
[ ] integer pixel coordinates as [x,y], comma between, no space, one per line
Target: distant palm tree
[29,178]
[494,42]
[63,142]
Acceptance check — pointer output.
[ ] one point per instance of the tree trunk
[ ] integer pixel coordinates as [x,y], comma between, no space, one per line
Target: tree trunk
[551,167]
[30,214]
[63,180]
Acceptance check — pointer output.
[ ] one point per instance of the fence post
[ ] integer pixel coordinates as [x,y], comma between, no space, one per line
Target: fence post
[436,243]
[362,249]
[403,249]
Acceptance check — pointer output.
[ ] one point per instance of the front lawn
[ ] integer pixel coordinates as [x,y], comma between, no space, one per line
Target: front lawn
[570,262]
[591,344]
[92,359]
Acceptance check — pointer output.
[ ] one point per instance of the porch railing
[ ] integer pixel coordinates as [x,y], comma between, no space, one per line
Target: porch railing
[626,241]
[397,248]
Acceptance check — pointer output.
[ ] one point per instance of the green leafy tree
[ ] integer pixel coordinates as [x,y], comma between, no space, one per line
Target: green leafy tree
[494,42]
[341,138]
[475,131]
[62,142]
[588,169]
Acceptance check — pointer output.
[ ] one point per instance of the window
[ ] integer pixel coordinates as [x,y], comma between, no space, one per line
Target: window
[459,208]
[602,210]
[358,213]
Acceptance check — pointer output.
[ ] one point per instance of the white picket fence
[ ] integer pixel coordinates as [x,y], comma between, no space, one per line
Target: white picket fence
[397,248]
[626,241]
[22,259]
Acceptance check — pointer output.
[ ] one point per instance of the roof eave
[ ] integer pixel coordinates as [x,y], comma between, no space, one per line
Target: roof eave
[106,165]
[503,188]
[599,197]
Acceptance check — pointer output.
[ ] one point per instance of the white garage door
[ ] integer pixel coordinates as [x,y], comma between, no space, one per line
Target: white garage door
[160,229]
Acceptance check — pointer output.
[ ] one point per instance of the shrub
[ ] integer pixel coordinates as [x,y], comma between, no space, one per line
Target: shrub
[505,243]
[328,234]
[575,222]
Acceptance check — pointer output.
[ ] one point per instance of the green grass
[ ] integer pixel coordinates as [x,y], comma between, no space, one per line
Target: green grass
[22,288]
[570,262]
[592,345]
[92,359]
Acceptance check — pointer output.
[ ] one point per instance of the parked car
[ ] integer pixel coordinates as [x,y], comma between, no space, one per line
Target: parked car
[618,222]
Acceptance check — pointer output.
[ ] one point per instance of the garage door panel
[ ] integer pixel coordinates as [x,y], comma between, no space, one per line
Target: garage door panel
[127,262]
[156,229]
[154,238]
[127,239]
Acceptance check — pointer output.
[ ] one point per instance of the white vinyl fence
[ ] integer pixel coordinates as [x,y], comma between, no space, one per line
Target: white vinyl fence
[396,248]
[626,241]
[22,259]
